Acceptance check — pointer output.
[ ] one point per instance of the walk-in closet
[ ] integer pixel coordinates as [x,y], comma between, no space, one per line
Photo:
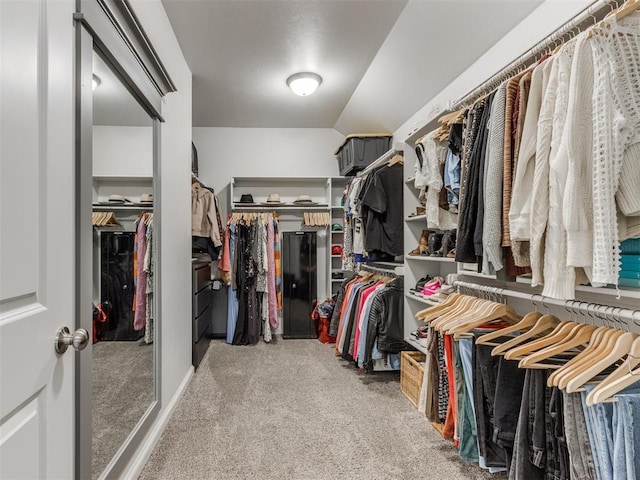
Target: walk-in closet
[315,239]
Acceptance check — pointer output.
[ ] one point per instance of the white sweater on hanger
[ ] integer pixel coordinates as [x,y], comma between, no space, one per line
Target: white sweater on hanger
[559,280]
[540,187]
[520,210]
[577,143]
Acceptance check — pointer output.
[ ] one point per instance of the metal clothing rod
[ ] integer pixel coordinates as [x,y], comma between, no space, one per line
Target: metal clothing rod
[586,18]
[379,161]
[592,309]
[384,271]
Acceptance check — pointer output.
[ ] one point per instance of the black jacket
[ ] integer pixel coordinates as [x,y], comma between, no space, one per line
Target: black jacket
[386,321]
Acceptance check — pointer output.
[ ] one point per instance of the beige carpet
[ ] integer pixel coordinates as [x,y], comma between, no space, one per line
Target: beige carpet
[122,389]
[292,410]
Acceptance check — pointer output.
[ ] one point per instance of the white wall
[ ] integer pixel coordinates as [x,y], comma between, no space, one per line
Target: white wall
[264,152]
[122,151]
[175,231]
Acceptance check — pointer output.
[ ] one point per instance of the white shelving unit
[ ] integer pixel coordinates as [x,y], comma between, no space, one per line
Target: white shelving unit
[122,208]
[288,188]
[423,300]
[131,187]
[325,192]
[429,259]
[417,345]
[416,267]
[338,185]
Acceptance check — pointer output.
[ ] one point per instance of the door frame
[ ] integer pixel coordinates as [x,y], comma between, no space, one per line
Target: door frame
[111,27]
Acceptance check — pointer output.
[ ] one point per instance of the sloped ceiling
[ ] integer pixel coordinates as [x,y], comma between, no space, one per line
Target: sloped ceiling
[381,60]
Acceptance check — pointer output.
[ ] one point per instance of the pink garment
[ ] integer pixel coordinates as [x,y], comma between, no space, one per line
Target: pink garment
[363,299]
[271,277]
[140,315]
[225,262]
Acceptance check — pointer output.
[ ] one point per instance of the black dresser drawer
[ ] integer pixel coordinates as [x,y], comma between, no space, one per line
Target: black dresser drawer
[201,301]
[201,276]
[201,324]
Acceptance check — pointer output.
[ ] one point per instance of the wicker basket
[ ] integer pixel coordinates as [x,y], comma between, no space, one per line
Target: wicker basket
[411,374]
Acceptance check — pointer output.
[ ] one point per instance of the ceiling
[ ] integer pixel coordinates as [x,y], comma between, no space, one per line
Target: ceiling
[381,60]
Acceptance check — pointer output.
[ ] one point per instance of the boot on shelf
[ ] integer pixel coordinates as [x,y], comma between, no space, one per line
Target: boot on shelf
[423,246]
[435,244]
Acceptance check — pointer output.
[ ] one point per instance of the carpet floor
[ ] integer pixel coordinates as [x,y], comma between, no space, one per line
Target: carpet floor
[122,390]
[292,410]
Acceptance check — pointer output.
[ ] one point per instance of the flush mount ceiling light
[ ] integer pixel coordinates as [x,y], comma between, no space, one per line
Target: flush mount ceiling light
[95,81]
[304,83]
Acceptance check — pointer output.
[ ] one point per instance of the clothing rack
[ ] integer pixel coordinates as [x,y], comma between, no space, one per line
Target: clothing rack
[630,318]
[586,18]
[396,150]
[391,272]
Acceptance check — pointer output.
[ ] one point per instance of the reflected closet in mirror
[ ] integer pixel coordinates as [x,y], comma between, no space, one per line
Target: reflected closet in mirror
[123,365]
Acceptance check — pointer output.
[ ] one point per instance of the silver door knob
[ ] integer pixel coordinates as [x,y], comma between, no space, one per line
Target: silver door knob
[79,340]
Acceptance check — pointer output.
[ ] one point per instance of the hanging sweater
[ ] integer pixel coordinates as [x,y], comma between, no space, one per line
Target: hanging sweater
[519,213]
[493,178]
[465,248]
[512,87]
[559,280]
[540,188]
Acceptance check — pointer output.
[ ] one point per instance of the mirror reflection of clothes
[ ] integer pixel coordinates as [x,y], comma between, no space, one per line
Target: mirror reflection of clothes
[117,286]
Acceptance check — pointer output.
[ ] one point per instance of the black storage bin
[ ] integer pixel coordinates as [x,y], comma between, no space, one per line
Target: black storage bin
[359,150]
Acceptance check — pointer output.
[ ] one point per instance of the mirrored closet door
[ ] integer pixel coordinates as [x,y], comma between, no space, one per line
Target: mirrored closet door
[124,259]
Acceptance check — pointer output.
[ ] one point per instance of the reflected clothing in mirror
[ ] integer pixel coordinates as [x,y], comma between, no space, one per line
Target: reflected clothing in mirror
[117,287]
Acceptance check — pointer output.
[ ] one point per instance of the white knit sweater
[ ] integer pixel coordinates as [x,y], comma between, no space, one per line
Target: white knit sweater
[493,182]
[615,168]
[520,210]
[559,280]
[540,188]
[577,143]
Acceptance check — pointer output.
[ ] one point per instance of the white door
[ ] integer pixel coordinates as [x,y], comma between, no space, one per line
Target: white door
[36,238]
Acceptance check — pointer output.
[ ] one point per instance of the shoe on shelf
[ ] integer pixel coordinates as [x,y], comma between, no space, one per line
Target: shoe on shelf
[432,287]
[434,242]
[448,242]
[422,282]
[422,245]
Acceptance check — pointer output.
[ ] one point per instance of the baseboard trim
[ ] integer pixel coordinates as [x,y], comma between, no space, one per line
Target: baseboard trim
[134,469]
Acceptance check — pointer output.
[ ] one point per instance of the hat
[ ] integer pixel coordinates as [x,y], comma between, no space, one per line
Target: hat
[305,199]
[246,198]
[274,198]
[146,198]
[114,199]
[336,227]
[336,250]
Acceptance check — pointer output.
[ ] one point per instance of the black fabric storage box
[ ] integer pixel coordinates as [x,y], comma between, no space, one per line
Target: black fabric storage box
[359,150]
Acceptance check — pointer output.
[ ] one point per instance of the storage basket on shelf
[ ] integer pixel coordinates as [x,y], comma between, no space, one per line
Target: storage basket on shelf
[411,374]
[360,149]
